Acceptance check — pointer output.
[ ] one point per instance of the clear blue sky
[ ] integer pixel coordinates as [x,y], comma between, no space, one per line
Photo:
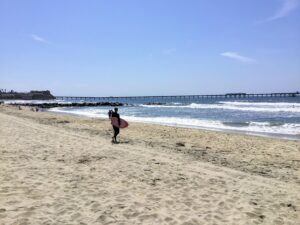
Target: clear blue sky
[150,47]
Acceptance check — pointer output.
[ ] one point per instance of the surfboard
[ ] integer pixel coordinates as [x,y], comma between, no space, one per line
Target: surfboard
[115,122]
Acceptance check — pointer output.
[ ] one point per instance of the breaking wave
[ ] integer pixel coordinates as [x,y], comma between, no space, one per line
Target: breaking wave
[248,127]
[240,106]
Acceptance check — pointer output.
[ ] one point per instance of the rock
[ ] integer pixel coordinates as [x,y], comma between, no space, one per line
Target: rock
[262,216]
[84,160]
[63,121]
[291,206]
[180,144]
[155,103]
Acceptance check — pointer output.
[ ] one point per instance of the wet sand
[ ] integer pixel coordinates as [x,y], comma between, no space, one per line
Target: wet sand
[61,169]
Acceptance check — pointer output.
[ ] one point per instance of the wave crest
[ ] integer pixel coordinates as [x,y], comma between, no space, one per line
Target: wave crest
[240,106]
[248,127]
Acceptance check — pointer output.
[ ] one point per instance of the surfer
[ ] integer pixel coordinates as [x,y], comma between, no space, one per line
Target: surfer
[116,129]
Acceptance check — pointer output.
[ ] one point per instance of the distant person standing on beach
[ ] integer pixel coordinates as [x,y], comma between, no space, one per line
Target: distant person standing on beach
[116,129]
[110,113]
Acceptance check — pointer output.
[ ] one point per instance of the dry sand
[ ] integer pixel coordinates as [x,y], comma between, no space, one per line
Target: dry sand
[58,169]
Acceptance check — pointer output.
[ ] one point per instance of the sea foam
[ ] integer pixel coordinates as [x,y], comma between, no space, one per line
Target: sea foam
[240,106]
[248,127]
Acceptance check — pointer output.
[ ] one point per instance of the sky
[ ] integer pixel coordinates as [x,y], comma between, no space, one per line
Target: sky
[150,47]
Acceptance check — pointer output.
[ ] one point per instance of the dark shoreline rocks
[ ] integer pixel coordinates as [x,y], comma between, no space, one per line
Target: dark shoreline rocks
[155,103]
[73,104]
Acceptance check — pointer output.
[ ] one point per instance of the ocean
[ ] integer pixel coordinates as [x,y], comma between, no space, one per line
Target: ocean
[276,117]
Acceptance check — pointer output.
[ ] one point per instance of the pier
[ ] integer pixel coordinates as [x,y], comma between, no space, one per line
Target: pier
[182,97]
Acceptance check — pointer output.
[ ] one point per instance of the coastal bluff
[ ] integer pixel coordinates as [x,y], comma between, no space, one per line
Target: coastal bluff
[32,95]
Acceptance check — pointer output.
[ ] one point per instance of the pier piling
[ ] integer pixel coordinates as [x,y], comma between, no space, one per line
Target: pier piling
[182,97]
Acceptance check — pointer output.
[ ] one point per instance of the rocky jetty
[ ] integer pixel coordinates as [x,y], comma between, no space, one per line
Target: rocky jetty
[32,95]
[155,103]
[71,104]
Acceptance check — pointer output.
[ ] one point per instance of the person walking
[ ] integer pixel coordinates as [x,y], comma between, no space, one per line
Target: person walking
[116,129]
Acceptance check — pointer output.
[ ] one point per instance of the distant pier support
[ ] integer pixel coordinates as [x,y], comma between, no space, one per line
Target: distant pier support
[179,97]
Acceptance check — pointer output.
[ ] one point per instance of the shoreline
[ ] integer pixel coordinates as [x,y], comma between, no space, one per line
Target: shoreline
[229,131]
[63,169]
[143,131]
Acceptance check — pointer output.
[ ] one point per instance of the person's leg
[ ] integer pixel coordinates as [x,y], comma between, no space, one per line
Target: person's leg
[114,137]
[117,131]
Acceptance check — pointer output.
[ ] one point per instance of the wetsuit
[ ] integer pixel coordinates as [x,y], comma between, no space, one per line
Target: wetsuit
[116,129]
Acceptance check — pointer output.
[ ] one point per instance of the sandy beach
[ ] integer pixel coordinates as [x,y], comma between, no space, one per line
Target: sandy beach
[61,169]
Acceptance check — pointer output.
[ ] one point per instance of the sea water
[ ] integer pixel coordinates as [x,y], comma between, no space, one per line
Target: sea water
[277,117]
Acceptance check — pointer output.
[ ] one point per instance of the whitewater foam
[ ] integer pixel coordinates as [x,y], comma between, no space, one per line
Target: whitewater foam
[268,104]
[232,106]
[248,127]
[89,112]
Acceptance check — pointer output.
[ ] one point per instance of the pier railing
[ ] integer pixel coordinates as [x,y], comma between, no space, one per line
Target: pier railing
[184,97]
